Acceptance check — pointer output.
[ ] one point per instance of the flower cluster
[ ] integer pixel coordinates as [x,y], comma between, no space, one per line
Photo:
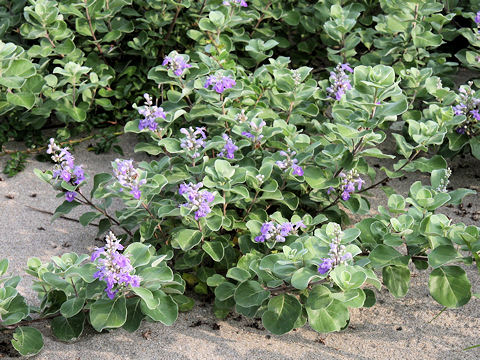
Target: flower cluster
[467,105]
[297,78]
[278,232]
[349,181]
[255,134]
[128,176]
[199,201]
[290,162]
[339,81]
[337,253]
[65,167]
[229,148]
[194,140]
[220,83]
[442,187]
[176,63]
[237,2]
[241,116]
[477,18]
[114,268]
[151,113]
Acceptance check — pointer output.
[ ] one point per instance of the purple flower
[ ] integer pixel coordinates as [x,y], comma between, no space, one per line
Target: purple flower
[289,162]
[461,130]
[136,193]
[66,175]
[52,147]
[151,113]
[220,83]
[128,176]
[194,140]
[339,81]
[65,168]
[346,67]
[176,63]
[79,175]
[96,253]
[229,148]
[255,133]
[337,254]
[278,232]
[248,135]
[197,200]
[325,266]
[70,196]
[236,2]
[468,106]
[477,18]
[475,114]
[459,109]
[349,181]
[114,268]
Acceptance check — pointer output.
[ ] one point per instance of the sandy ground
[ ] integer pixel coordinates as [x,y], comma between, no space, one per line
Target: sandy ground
[392,329]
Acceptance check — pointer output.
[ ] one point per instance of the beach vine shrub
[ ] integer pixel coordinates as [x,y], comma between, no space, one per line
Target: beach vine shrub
[256,168]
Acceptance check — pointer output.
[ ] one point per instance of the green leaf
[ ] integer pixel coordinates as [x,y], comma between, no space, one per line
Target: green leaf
[442,254]
[88,217]
[225,291]
[67,329]
[166,312]
[64,208]
[238,274]
[146,296]
[250,293]
[396,203]
[319,298]
[396,279]
[281,314]
[302,277]
[354,298]
[56,281]
[316,177]
[328,319]
[140,254]
[99,179]
[450,286]
[214,221]
[108,313]
[23,99]
[149,148]
[72,306]
[384,255]
[214,249]
[3,266]
[348,277]
[184,303]
[215,280]
[77,114]
[134,315]
[217,18]
[475,146]
[224,169]
[85,272]
[186,239]
[156,274]
[27,340]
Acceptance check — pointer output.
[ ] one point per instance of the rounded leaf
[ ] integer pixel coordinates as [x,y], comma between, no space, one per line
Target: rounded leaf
[283,311]
[450,286]
[27,340]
